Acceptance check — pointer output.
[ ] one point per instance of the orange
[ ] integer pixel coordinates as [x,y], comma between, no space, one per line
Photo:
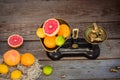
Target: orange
[64,30]
[49,41]
[27,59]
[12,57]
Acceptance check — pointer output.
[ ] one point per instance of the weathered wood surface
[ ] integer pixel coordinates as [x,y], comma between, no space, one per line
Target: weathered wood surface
[82,69]
[29,11]
[25,16]
[110,49]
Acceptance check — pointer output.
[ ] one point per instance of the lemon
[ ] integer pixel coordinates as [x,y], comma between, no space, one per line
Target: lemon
[3,69]
[40,33]
[16,74]
[47,70]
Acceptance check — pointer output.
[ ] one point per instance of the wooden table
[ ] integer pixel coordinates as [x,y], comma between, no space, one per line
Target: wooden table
[25,16]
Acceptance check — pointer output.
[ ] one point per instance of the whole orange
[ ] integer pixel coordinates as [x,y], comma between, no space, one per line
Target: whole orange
[64,30]
[12,57]
[27,59]
[49,41]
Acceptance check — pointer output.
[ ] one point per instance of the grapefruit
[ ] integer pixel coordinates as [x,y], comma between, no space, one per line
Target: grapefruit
[40,33]
[27,59]
[64,30]
[11,57]
[15,40]
[51,27]
[49,41]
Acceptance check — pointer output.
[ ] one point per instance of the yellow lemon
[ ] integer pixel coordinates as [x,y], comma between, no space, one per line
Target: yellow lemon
[3,69]
[40,33]
[16,74]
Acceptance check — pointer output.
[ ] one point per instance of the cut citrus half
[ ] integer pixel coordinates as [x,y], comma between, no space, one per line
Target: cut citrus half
[15,40]
[51,27]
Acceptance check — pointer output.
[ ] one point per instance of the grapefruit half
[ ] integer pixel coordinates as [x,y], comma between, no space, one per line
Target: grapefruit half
[51,27]
[15,41]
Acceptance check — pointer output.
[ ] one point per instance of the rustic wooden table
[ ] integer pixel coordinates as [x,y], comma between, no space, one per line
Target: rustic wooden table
[25,16]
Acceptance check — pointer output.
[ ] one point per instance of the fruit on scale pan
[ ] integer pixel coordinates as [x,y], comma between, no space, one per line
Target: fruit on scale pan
[64,30]
[53,33]
[60,40]
[49,41]
[40,33]
[15,41]
[51,27]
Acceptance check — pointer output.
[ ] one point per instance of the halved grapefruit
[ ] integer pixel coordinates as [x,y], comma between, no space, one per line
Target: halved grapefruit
[15,41]
[51,27]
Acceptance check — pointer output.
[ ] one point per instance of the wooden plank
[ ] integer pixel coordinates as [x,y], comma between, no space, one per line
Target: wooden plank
[82,70]
[28,31]
[29,11]
[109,50]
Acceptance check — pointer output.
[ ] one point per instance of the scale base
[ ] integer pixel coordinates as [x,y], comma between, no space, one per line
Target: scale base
[75,48]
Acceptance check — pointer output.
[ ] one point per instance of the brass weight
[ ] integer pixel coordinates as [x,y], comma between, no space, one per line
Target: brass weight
[95,34]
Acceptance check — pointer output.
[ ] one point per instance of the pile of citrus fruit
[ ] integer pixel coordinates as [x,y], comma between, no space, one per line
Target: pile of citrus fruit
[12,58]
[53,33]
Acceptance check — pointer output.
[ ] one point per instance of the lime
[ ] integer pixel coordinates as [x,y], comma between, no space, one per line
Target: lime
[60,40]
[40,33]
[16,74]
[47,70]
[3,69]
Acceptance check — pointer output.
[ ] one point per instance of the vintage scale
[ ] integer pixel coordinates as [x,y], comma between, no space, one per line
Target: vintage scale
[79,47]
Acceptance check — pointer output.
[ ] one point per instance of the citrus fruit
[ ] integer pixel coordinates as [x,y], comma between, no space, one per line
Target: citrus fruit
[15,41]
[16,74]
[64,30]
[47,70]
[40,33]
[60,40]
[27,59]
[11,57]
[3,69]
[49,41]
[51,27]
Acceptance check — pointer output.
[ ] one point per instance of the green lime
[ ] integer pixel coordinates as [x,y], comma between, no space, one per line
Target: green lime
[47,70]
[60,40]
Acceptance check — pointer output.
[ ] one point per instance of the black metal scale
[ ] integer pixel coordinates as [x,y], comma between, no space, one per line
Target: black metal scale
[75,47]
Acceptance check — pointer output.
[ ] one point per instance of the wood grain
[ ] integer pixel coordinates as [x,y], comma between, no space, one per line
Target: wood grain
[109,50]
[82,70]
[28,31]
[29,11]
[25,16]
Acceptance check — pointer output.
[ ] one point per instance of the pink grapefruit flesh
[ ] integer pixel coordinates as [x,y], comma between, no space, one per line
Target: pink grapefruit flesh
[51,27]
[15,41]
